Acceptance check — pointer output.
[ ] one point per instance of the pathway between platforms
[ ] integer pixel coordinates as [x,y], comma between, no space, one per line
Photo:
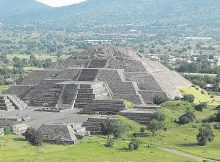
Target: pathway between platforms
[187,155]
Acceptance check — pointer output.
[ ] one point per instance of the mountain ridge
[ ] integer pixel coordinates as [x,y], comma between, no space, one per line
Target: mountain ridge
[124,11]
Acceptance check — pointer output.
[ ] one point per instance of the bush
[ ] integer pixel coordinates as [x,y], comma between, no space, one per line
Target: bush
[133,144]
[160,99]
[217,116]
[218,107]
[189,98]
[142,129]
[109,143]
[159,116]
[8,129]
[34,136]
[112,127]
[205,135]
[201,106]
[177,98]
[217,126]
[187,118]
[154,126]
[202,92]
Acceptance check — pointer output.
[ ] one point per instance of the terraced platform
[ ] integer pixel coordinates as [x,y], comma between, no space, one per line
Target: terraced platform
[98,81]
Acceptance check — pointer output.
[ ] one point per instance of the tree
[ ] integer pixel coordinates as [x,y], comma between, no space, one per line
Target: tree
[142,129]
[8,129]
[218,116]
[47,63]
[133,144]
[34,136]
[159,116]
[189,98]
[112,127]
[187,118]
[159,99]
[201,106]
[154,126]
[205,135]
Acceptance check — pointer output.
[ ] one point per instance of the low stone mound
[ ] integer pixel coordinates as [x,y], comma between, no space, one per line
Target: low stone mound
[93,124]
[60,133]
[142,116]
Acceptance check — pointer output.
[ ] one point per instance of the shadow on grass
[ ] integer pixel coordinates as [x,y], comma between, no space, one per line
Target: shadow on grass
[187,145]
[19,139]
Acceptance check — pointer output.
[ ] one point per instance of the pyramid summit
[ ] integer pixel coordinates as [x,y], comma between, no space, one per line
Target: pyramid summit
[99,79]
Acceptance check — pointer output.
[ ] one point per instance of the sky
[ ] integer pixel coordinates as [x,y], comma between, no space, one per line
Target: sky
[60,3]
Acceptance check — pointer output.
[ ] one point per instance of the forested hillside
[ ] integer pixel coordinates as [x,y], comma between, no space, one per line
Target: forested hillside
[160,12]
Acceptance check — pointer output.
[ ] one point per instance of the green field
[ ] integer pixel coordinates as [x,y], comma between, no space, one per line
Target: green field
[15,148]
[91,149]
[200,96]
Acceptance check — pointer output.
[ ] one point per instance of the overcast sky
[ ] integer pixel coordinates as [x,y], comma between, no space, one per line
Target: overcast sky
[60,3]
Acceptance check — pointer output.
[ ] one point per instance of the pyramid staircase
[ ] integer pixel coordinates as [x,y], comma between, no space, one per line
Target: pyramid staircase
[84,95]
[11,102]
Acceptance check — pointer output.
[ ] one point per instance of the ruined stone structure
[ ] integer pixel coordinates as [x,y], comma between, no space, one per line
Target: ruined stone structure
[62,133]
[97,81]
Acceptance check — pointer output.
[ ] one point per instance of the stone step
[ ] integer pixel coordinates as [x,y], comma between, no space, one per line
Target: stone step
[85,95]
[88,91]
[85,86]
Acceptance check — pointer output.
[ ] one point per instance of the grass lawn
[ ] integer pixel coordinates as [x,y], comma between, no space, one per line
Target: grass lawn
[201,97]
[184,137]
[92,149]
[14,148]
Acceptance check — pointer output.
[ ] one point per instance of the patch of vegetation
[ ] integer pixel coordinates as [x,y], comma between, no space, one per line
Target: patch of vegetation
[205,135]
[133,144]
[129,104]
[201,106]
[34,136]
[189,98]
[159,99]
[8,129]
[187,118]
[199,97]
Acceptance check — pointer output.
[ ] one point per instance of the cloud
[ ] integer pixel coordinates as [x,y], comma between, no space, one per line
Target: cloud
[60,3]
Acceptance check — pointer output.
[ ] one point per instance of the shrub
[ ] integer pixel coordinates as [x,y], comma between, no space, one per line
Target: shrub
[159,99]
[205,135]
[159,116]
[183,120]
[217,126]
[218,116]
[34,136]
[177,98]
[110,142]
[189,98]
[154,126]
[111,127]
[133,144]
[8,129]
[218,107]
[187,118]
[142,129]
[201,106]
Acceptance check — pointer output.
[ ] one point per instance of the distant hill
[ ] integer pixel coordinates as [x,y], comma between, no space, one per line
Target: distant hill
[160,12]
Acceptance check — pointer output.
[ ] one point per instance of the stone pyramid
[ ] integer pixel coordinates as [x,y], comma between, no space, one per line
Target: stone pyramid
[99,79]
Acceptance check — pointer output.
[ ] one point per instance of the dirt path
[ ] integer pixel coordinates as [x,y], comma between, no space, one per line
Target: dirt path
[187,155]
